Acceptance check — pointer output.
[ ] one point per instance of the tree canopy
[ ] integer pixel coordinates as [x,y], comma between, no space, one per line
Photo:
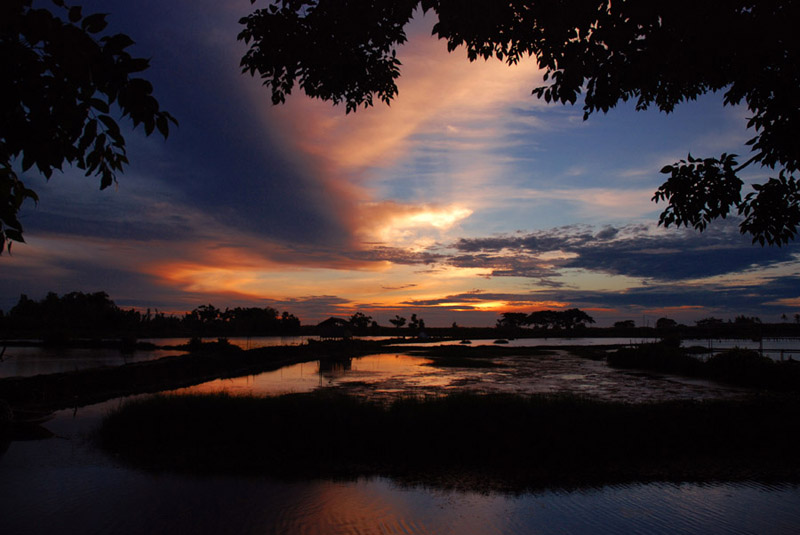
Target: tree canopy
[655,53]
[574,318]
[78,313]
[62,79]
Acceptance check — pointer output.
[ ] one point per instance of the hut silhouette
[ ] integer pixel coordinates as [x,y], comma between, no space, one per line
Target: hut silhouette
[335,329]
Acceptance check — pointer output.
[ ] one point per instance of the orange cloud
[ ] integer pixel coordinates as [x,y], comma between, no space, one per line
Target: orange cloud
[408,225]
[438,91]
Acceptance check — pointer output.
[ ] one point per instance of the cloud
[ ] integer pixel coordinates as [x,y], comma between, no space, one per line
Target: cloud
[634,251]
[395,255]
[401,287]
[681,302]
[312,307]
[413,226]
[438,92]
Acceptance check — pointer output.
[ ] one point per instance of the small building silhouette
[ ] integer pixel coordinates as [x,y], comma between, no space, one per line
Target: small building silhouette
[335,329]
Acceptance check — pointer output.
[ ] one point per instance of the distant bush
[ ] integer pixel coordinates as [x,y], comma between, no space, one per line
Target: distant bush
[658,357]
[195,343]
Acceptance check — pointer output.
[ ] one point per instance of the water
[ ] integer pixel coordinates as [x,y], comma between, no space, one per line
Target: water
[28,361]
[389,375]
[532,342]
[774,348]
[66,485]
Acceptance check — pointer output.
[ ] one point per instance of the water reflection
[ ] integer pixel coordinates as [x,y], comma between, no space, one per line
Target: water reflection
[309,376]
[335,367]
[65,485]
[389,375]
[29,361]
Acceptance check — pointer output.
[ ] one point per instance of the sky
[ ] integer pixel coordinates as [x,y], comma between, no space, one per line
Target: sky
[465,198]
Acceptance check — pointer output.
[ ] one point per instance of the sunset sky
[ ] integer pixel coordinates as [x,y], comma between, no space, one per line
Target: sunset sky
[465,198]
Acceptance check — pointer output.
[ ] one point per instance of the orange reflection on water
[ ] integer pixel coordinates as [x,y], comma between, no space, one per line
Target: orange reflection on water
[302,377]
[308,376]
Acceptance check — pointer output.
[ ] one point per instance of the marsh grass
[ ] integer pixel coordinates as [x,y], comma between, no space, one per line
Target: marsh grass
[491,441]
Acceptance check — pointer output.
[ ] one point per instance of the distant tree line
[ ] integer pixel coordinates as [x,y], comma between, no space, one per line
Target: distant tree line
[72,312]
[361,323]
[95,314]
[240,321]
[415,325]
[571,319]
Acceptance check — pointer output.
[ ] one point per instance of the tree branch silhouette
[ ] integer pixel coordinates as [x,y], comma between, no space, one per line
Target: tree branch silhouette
[62,79]
[653,53]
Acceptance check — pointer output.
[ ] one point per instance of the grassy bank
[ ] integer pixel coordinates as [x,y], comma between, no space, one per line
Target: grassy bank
[468,440]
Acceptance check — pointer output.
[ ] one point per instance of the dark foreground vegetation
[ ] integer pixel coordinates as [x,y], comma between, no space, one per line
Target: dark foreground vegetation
[483,442]
[741,367]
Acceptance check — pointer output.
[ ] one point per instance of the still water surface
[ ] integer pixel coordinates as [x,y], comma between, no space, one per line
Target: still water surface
[66,485]
[27,361]
[386,376]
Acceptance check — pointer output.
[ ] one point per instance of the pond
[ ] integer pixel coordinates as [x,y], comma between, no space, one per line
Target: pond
[66,485]
[390,375]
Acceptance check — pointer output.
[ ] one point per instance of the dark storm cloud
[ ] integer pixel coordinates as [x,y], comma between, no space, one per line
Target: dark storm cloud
[127,287]
[312,308]
[224,159]
[174,228]
[395,255]
[570,236]
[729,299]
[679,255]
[706,299]
[669,255]
[607,233]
